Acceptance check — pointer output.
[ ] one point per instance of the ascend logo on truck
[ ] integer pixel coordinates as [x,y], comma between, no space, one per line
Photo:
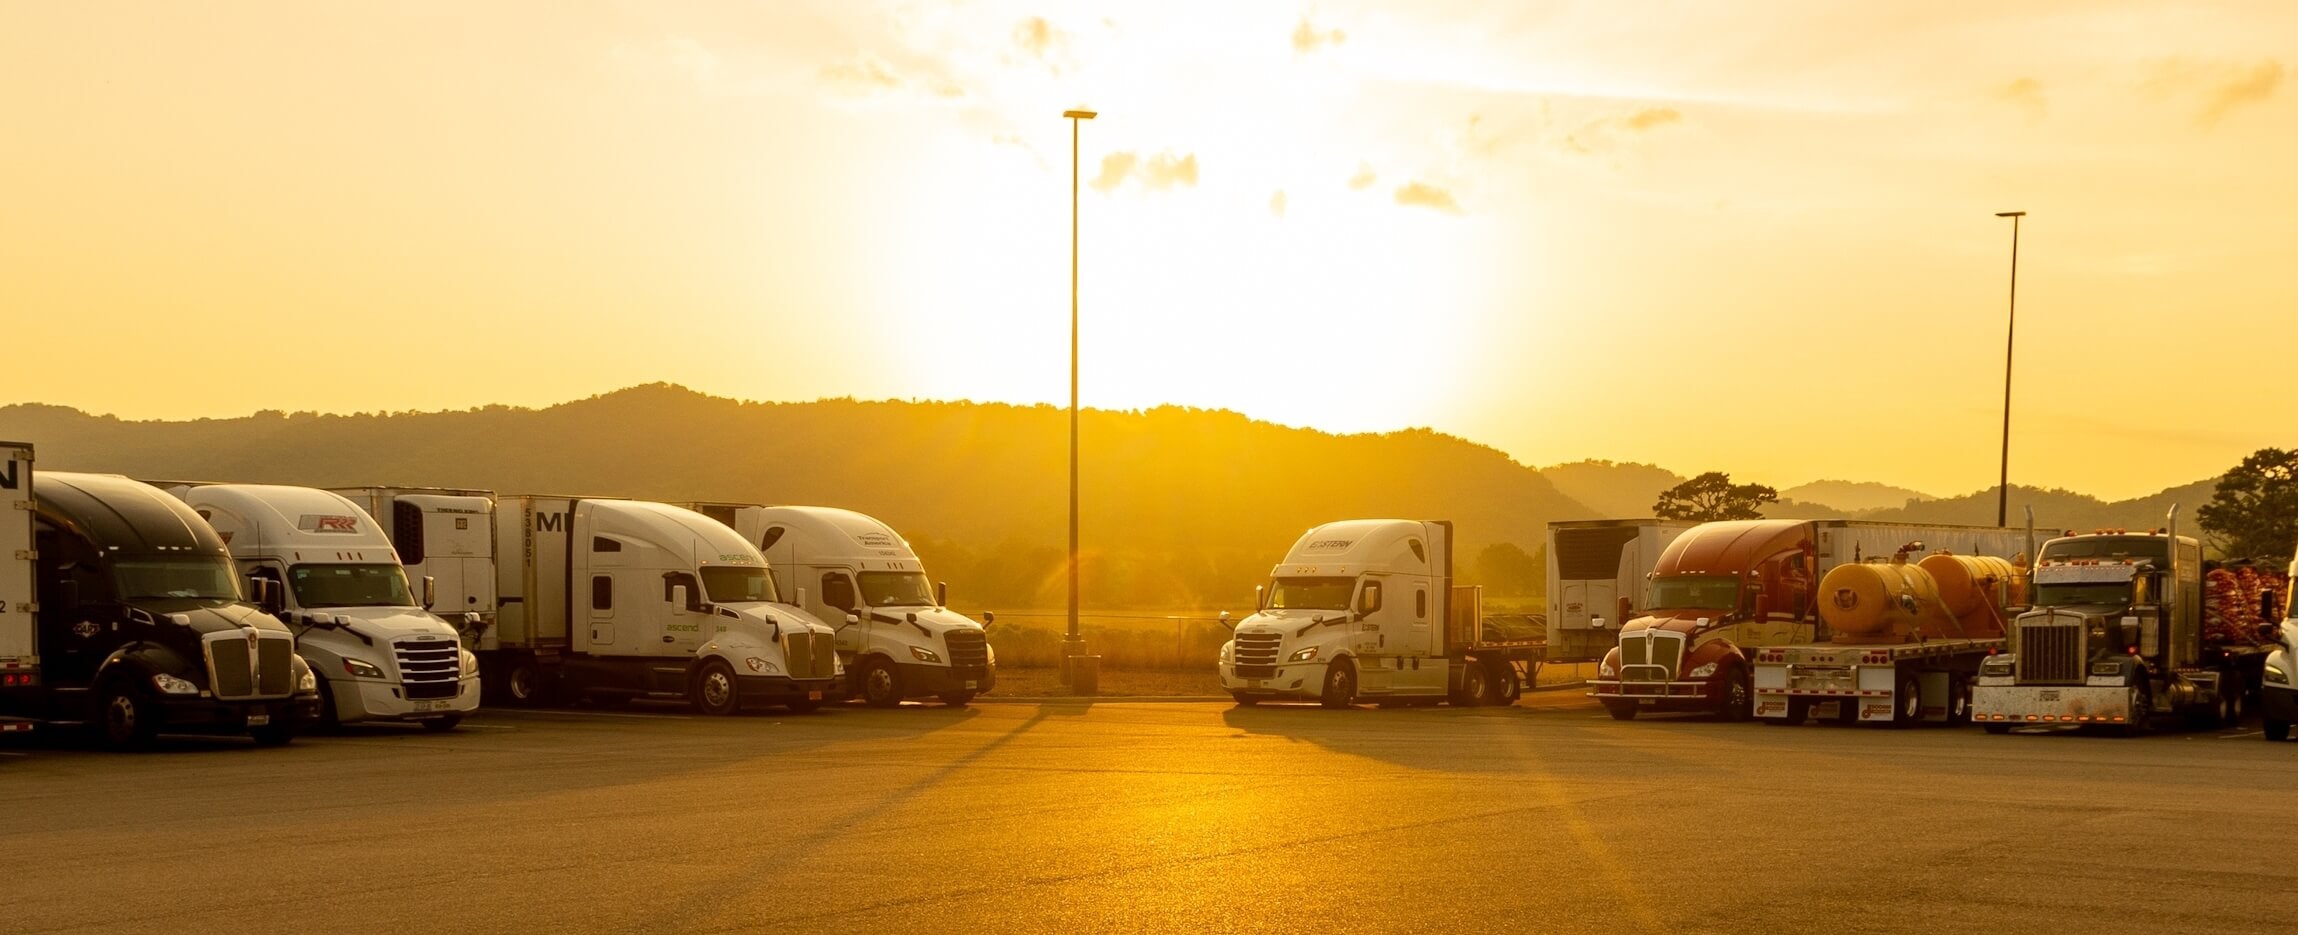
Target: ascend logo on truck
[335,525]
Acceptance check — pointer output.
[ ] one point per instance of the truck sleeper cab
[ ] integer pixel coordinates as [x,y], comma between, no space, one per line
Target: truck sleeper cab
[142,625]
[897,637]
[1354,611]
[617,599]
[379,656]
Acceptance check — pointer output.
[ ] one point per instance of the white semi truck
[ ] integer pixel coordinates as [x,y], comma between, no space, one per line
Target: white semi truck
[1365,610]
[380,654]
[2277,694]
[19,630]
[611,599]
[447,536]
[897,637]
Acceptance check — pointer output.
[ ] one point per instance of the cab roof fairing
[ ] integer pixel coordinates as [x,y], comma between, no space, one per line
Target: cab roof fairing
[275,515]
[1731,547]
[121,514]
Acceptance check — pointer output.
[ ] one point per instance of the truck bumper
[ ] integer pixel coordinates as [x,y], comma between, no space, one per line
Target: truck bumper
[369,700]
[2278,704]
[209,716]
[781,689]
[1291,680]
[920,680]
[2053,704]
[1652,696]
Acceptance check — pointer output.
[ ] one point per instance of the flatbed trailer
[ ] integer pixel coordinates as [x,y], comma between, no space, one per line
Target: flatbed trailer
[1900,683]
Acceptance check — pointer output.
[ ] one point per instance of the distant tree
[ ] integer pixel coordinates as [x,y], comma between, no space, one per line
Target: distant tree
[1507,569]
[2254,511]
[1712,496]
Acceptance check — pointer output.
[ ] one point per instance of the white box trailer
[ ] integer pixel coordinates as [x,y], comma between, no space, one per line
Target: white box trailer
[358,619]
[19,627]
[897,636]
[446,535]
[612,599]
[1596,572]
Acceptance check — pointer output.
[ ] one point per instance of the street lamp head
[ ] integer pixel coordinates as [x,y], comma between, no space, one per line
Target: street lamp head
[2010,214]
[1079,114]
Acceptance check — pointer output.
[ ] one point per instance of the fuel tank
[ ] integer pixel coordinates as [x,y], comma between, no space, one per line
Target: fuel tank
[1943,596]
[1975,589]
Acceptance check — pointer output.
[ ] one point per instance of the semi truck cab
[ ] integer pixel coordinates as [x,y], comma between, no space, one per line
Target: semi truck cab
[1716,588]
[1356,609]
[380,654]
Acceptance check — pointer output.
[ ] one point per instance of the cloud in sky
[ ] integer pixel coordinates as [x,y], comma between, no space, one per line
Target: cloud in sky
[1418,194]
[1114,168]
[1651,117]
[2027,95]
[863,76]
[1364,177]
[1157,173]
[2251,86]
[1308,38]
[1040,40]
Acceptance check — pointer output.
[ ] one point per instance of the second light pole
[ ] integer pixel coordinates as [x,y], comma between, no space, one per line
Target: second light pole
[1074,644]
[2010,334]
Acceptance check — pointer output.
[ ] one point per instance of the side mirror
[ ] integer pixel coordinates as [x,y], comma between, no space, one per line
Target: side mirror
[851,619]
[268,595]
[801,601]
[1260,596]
[1595,623]
[941,594]
[2270,633]
[1369,601]
[1225,622]
[678,598]
[987,618]
[430,591]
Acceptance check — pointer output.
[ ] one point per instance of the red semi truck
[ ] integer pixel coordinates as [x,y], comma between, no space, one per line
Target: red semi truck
[1722,590]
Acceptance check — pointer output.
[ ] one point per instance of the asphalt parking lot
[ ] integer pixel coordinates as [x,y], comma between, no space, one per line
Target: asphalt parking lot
[1066,816]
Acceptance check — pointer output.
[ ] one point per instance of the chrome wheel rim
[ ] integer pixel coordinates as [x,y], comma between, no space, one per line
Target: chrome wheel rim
[120,714]
[881,682]
[717,689]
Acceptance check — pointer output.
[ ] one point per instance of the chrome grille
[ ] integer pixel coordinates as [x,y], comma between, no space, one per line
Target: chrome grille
[1255,655]
[1650,655]
[2051,650]
[429,668]
[967,648]
[810,655]
[230,674]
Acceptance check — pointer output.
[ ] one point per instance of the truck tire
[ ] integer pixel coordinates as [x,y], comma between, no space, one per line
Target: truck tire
[1500,685]
[2231,693]
[1907,702]
[123,721]
[1735,697]
[881,685]
[1470,692]
[1340,685]
[1621,710]
[329,720]
[441,725]
[1958,700]
[275,734]
[2142,714]
[958,699]
[714,692]
[1244,700]
[523,683]
[2277,731]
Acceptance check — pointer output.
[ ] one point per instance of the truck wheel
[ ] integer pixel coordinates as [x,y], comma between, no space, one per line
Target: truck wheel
[1958,700]
[1798,710]
[881,685]
[1621,710]
[714,691]
[1735,698]
[1470,692]
[1907,703]
[275,734]
[1501,684]
[2277,731]
[1340,685]
[441,725]
[523,684]
[2142,714]
[329,720]
[2230,692]
[126,721]
[1244,700]
[957,699]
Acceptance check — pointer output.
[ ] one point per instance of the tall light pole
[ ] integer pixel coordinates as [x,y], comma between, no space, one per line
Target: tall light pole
[2010,336]
[1074,645]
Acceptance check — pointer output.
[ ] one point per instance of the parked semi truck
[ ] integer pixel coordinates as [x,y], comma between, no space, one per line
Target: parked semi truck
[139,622]
[381,655]
[2277,694]
[1900,641]
[897,637]
[1597,570]
[1365,610]
[445,535]
[617,599]
[1720,591]
[19,631]
[2115,639]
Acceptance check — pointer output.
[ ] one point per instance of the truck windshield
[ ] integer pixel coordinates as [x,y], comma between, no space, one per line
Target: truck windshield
[371,584]
[2061,595]
[2156,548]
[1311,593]
[144,579]
[896,589]
[1695,592]
[736,584]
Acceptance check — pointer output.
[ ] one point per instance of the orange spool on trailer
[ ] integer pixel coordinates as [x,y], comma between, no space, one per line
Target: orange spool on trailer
[1973,587]
[1879,602]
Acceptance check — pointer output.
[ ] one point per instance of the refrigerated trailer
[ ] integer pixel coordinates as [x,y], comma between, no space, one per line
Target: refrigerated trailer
[448,536]
[1596,575]
[19,630]
[613,599]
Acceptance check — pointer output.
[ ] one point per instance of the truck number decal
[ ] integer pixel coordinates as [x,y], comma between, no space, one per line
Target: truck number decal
[546,521]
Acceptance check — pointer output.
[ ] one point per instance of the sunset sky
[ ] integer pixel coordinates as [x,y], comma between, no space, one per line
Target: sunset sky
[1752,237]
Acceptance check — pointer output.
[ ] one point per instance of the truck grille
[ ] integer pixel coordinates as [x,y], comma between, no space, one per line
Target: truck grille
[429,668]
[810,655]
[232,676]
[1255,655]
[968,649]
[2051,650]
[1650,655]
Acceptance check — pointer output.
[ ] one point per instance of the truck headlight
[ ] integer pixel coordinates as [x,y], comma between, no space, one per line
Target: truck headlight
[1704,671]
[1604,669]
[1228,651]
[923,654]
[170,685]
[2275,675]
[362,669]
[470,664]
[1303,655]
[307,683]
[992,654]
